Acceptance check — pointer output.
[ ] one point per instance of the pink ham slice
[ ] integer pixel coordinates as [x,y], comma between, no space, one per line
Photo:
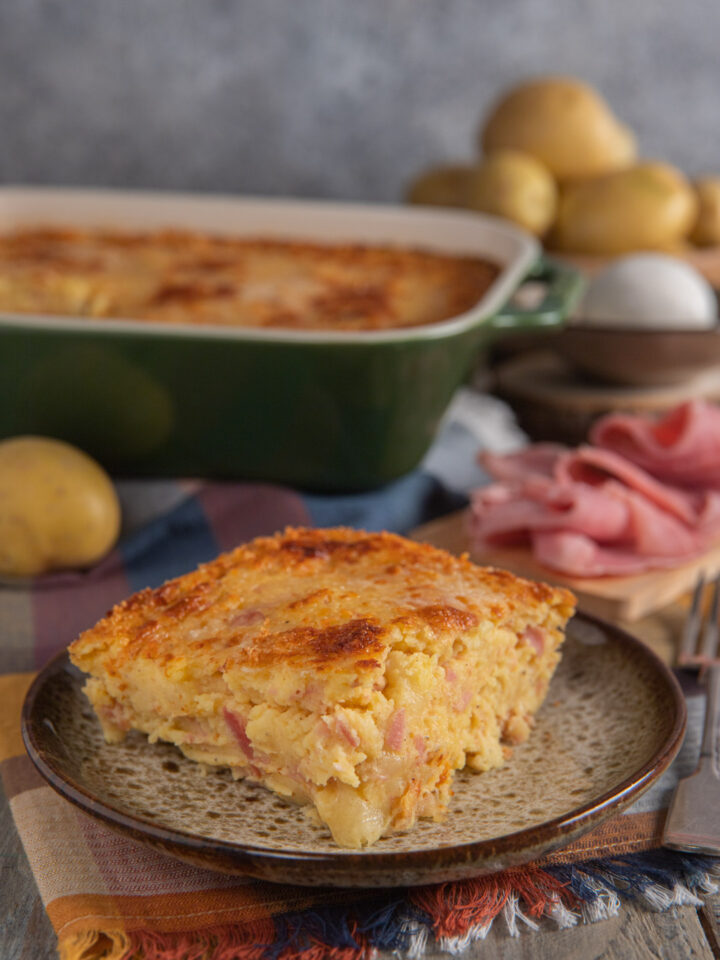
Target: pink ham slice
[579,556]
[683,447]
[539,459]
[614,516]
[590,512]
[592,466]
[509,514]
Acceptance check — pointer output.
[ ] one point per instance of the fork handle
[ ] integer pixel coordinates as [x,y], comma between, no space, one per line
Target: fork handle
[711,732]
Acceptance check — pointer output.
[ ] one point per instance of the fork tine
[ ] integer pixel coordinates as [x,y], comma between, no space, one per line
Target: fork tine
[691,627]
[710,634]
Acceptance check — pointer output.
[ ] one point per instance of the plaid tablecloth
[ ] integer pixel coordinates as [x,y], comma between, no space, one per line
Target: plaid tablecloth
[107,896]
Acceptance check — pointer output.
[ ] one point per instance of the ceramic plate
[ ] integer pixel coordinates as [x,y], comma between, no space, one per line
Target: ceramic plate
[612,722]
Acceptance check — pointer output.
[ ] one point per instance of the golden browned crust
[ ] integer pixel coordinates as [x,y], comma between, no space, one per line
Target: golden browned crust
[191,277]
[320,597]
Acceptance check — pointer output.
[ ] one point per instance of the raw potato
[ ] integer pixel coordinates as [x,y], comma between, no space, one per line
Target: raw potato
[563,123]
[706,232]
[442,186]
[650,206]
[516,186]
[58,507]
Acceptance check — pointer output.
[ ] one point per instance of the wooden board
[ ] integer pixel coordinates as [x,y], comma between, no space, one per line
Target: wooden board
[613,598]
[551,403]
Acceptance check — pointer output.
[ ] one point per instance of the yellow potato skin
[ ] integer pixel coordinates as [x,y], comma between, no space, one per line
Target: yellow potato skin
[58,507]
[516,186]
[706,231]
[562,122]
[442,186]
[649,206]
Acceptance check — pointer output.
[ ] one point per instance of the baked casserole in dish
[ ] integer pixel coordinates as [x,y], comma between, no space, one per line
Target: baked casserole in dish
[353,672]
[175,276]
[310,343]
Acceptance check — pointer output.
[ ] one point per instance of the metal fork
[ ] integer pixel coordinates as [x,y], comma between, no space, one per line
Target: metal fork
[693,820]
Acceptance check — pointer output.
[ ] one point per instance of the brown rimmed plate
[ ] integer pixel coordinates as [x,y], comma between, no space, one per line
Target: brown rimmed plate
[611,724]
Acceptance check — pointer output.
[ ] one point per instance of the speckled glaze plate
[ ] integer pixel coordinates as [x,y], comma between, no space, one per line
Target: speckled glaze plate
[612,722]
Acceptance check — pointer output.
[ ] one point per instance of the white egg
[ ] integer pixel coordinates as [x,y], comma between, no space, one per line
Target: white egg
[649,290]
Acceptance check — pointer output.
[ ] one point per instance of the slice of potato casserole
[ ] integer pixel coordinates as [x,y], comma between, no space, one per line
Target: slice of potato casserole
[353,671]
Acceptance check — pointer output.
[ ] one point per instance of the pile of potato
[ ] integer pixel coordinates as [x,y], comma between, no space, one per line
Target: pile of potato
[557,161]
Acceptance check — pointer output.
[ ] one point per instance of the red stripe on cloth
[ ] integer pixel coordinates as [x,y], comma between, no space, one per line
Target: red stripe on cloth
[456,908]
[62,611]
[239,512]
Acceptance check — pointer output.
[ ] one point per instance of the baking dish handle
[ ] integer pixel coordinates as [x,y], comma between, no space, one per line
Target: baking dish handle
[563,286]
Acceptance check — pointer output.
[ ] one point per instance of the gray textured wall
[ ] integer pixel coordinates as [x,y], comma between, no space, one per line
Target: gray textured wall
[341,98]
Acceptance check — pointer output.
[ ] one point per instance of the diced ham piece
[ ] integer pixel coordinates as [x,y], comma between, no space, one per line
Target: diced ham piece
[682,447]
[450,674]
[534,637]
[338,729]
[347,732]
[395,731]
[238,729]
[247,617]
[116,716]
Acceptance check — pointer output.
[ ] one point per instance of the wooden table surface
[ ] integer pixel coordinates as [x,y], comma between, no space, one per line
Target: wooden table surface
[681,933]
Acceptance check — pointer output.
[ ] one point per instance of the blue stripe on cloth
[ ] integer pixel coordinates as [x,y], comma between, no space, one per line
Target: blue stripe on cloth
[169,546]
[413,499]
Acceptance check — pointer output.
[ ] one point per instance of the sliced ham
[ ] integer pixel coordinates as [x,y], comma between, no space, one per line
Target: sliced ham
[579,556]
[590,511]
[589,466]
[652,531]
[539,459]
[612,516]
[527,507]
[682,447]
[593,466]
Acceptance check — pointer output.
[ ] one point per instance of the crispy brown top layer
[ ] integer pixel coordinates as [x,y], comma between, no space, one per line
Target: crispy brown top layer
[197,278]
[325,599]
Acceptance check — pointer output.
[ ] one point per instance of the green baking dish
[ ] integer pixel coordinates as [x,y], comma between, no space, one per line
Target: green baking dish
[325,411]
